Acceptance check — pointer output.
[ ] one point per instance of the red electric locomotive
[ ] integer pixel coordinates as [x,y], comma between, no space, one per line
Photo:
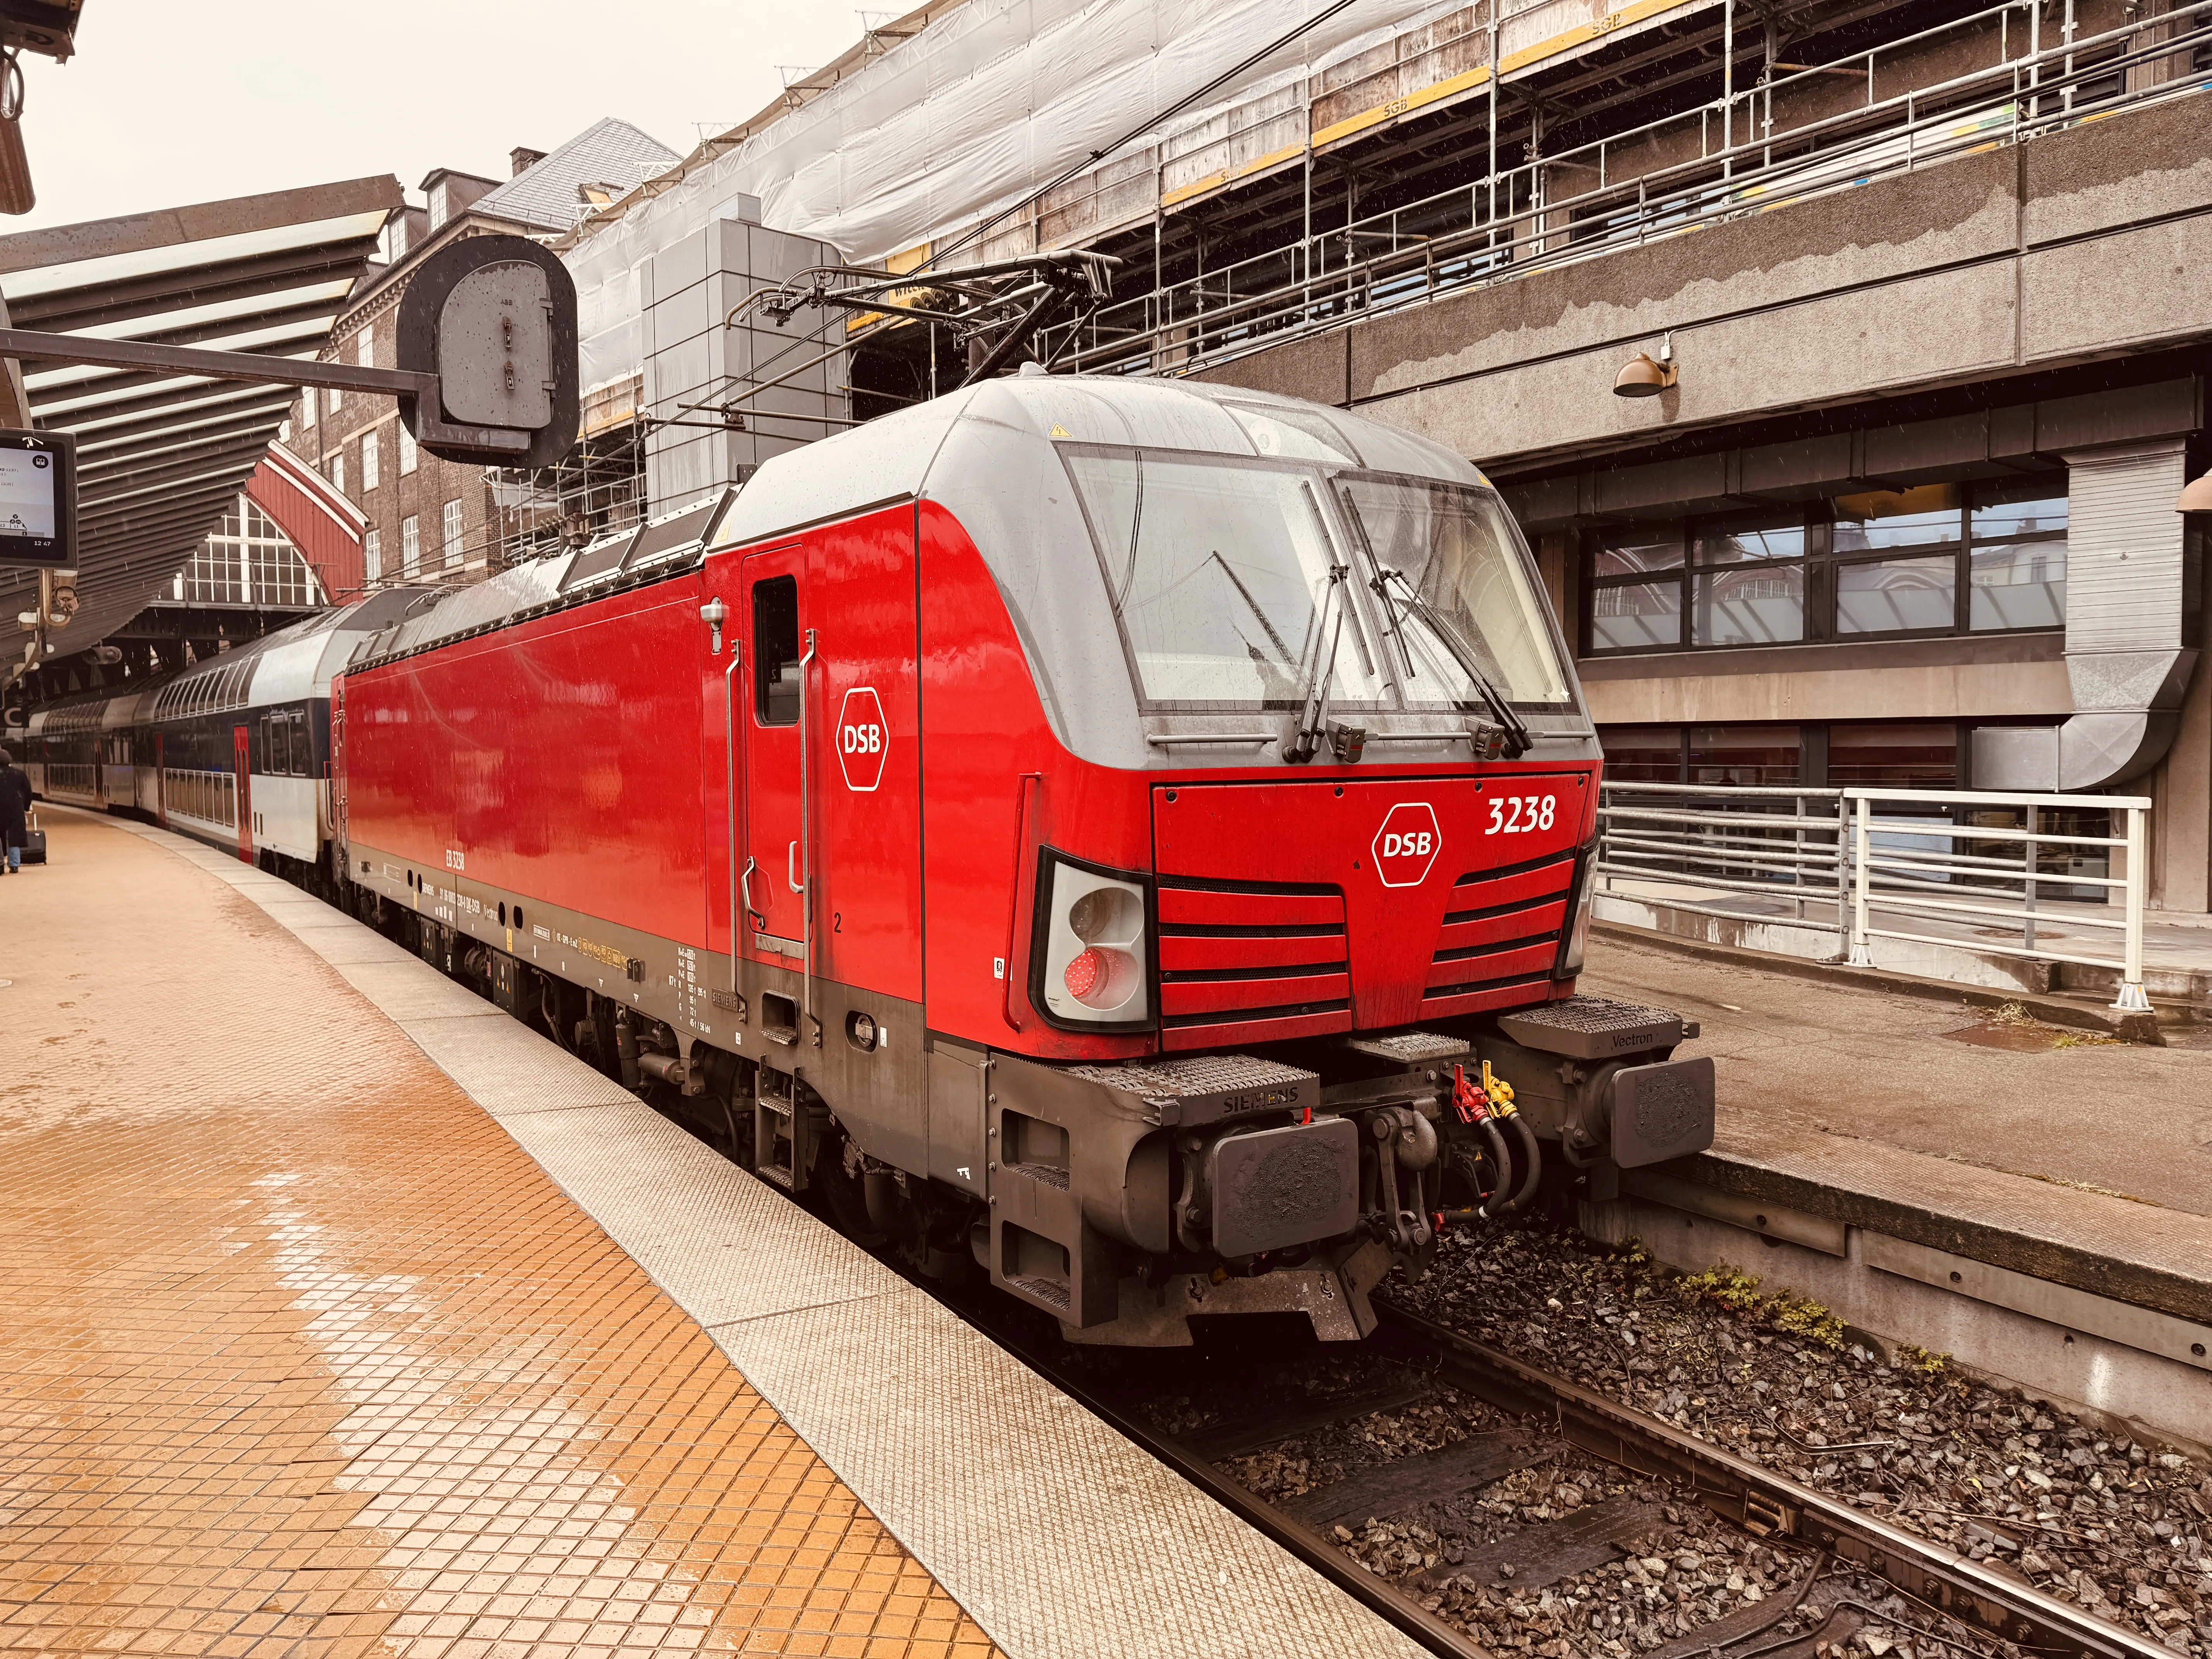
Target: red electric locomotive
[1133,833]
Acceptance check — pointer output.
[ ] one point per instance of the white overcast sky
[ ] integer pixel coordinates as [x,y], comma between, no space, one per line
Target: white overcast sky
[167,103]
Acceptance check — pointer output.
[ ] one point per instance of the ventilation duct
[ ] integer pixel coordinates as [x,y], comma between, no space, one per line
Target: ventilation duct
[2133,593]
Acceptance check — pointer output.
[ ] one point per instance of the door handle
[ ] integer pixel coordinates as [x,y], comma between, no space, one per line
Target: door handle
[791,867]
[742,887]
[745,890]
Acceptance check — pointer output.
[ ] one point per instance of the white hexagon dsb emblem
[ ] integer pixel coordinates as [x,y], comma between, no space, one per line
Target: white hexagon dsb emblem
[863,739]
[1406,844]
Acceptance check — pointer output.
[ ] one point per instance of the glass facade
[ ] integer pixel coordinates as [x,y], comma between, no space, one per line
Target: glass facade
[1984,556]
[1874,754]
[1894,755]
[248,561]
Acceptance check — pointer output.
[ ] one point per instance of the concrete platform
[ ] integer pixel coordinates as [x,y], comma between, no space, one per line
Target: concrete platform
[2044,1213]
[340,1315]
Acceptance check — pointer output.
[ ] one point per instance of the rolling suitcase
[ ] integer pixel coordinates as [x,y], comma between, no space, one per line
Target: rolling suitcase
[35,842]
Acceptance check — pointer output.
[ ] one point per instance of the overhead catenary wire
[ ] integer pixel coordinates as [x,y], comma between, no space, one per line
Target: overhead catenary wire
[1091,159]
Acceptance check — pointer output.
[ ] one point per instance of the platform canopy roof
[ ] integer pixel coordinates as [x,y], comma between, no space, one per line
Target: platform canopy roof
[159,456]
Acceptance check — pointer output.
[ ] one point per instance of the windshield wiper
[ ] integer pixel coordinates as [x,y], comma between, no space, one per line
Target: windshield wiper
[1518,742]
[1313,713]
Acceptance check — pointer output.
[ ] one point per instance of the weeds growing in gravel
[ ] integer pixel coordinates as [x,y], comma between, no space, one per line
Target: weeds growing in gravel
[1738,1291]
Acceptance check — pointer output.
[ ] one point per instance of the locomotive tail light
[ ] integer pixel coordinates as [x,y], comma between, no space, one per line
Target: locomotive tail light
[1091,946]
[1575,940]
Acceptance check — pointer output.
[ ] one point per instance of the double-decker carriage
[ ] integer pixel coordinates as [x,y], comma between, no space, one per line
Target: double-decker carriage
[1131,832]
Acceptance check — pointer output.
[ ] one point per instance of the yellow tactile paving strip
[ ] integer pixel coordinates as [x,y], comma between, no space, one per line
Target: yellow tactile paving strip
[301,1355]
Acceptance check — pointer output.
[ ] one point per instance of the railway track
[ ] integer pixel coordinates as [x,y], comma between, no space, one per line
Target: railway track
[1854,1559]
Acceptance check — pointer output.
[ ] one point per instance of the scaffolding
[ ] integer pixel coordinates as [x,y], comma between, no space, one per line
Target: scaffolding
[1552,174]
[596,488]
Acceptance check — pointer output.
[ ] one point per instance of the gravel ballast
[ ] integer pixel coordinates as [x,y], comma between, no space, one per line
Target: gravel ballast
[2088,1515]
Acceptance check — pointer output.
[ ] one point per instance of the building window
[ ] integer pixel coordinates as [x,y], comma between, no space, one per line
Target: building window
[406,450]
[1643,754]
[453,535]
[1894,755]
[247,559]
[372,556]
[2016,555]
[1747,581]
[410,547]
[332,405]
[1746,757]
[1978,556]
[337,472]
[1897,560]
[365,344]
[368,462]
[307,410]
[1874,755]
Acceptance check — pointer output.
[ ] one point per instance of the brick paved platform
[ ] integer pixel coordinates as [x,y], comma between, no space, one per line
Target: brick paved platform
[340,1315]
[300,1353]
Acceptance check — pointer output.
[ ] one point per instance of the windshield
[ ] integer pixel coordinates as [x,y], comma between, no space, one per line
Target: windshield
[1220,574]
[1453,548]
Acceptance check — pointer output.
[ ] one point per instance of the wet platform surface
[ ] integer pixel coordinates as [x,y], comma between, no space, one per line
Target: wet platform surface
[300,1353]
[340,1314]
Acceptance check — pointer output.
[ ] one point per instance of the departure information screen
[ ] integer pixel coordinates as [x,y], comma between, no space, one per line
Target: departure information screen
[37,493]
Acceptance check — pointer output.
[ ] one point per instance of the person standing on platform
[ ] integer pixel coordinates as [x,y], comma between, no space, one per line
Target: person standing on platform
[14,802]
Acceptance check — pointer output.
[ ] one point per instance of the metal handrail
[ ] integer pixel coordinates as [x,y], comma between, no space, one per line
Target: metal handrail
[1736,843]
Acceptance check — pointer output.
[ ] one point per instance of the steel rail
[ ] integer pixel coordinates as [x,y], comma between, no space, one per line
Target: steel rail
[1767,1505]
[1378,1596]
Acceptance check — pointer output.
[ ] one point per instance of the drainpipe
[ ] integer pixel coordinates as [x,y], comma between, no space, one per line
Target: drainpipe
[2130,641]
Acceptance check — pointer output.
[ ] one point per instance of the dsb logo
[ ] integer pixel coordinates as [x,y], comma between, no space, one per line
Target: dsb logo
[1406,844]
[863,738]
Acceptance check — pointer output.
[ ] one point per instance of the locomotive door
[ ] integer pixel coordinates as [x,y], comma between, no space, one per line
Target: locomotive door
[781,744]
[242,766]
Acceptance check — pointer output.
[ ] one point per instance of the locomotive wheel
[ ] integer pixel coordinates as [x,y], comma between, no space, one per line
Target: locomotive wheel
[837,1183]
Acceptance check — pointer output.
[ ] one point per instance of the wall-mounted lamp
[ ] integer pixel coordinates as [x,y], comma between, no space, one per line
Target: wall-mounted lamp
[1643,376]
[2195,497]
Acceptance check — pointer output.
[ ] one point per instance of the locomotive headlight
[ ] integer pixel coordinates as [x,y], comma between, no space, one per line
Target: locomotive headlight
[1576,937]
[1088,960]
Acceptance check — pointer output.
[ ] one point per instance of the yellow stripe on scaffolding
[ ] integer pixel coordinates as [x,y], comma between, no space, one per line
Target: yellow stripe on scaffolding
[1470,79]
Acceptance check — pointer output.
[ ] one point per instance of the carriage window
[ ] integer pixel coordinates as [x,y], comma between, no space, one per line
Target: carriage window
[776,651]
[1220,576]
[303,756]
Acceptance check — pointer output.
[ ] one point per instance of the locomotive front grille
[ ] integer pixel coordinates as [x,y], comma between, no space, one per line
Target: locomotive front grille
[1500,936]
[1251,962]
